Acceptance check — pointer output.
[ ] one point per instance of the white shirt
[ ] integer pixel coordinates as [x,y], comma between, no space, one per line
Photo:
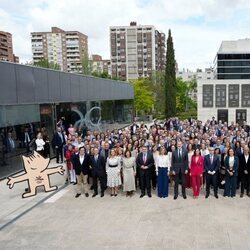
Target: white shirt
[246,157]
[162,161]
[39,144]
[81,158]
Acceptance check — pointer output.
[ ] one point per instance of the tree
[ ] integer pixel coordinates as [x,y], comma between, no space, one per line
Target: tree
[86,64]
[44,63]
[183,100]
[170,79]
[144,99]
[156,86]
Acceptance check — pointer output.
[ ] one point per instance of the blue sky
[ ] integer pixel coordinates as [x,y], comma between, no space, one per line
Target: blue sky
[198,26]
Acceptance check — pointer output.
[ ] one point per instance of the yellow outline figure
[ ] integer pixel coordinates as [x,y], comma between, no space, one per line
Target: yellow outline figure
[36,173]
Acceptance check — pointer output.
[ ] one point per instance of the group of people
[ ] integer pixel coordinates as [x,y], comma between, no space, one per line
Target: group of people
[198,155]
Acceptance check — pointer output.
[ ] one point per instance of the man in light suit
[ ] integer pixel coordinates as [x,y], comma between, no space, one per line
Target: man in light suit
[211,166]
[145,162]
[179,167]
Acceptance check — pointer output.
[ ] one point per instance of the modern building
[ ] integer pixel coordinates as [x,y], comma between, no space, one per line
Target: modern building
[65,48]
[136,51]
[6,48]
[99,65]
[227,97]
[38,97]
[233,60]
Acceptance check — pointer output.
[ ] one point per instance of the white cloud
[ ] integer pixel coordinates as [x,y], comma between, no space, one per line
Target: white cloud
[198,26]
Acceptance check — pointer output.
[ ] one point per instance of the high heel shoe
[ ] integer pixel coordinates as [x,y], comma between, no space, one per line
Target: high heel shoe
[111,194]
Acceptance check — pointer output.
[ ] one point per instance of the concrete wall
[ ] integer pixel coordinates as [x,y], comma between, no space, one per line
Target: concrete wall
[208,113]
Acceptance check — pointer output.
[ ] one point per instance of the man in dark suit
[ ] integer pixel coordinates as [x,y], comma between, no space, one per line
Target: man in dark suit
[145,162]
[211,165]
[244,170]
[98,169]
[57,142]
[239,152]
[81,163]
[180,167]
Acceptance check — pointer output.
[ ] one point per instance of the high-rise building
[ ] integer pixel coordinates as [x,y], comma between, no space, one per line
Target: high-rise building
[6,48]
[136,51]
[233,60]
[65,48]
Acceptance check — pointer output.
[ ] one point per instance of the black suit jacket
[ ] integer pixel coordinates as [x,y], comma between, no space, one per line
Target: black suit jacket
[180,164]
[149,162]
[81,168]
[243,165]
[215,164]
[57,141]
[98,167]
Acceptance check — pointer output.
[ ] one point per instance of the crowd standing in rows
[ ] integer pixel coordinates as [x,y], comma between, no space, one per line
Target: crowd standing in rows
[198,155]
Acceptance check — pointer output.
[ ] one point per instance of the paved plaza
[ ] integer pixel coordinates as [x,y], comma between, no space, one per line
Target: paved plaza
[60,221]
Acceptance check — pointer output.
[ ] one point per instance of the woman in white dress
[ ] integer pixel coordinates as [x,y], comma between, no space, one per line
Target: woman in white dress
[113,169]
[129,173]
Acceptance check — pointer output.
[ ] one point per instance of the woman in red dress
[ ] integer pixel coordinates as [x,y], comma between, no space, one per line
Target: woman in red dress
[196,170]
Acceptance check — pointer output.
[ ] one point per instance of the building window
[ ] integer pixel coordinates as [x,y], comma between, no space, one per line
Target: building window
[245,95]
[208,94]
[220,95]
[233,95]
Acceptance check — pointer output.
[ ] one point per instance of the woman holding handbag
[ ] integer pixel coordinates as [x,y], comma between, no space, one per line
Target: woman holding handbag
[196,170]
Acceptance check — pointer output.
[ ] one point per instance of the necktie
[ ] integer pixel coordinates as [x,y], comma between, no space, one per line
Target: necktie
[179,154]
[211,159]
[144,158]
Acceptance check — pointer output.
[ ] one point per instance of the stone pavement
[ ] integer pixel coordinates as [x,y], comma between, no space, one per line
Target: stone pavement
[61,221]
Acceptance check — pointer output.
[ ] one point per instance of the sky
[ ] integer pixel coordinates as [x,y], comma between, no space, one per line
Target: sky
[198,26]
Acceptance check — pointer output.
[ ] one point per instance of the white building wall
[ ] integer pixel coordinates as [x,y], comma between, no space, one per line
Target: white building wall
[205,113]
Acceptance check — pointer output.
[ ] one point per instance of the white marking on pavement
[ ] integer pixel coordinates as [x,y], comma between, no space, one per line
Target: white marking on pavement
[56,196]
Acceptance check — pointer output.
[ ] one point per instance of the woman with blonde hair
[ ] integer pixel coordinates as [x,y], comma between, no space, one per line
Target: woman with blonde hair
[113,168]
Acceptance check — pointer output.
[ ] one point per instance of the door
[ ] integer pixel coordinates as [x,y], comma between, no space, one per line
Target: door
[222,115]
[241,116]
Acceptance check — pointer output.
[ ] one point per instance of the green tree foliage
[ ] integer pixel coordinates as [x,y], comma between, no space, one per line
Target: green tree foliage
[170,79]
[144,98]
[101,75]
[184,102]
[44,63]
[156,86]
[86,64]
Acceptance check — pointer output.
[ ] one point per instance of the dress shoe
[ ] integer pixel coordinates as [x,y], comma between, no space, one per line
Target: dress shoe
[111,194]
[149,195]
[216,196]
[102,194]
[241,195]
[184,196]
[206,196]
[87,195]
[94,195]
[74,183]
[115,194]
[142,195]
[175,197]
[77,195]
[248,195]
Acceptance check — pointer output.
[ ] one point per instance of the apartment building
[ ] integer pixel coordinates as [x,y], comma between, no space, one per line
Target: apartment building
[99,65]
[6,48]
[65,48]
[136,51]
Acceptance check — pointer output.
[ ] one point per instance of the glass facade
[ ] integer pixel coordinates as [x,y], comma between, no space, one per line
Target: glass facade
[233,66]
[95,115]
